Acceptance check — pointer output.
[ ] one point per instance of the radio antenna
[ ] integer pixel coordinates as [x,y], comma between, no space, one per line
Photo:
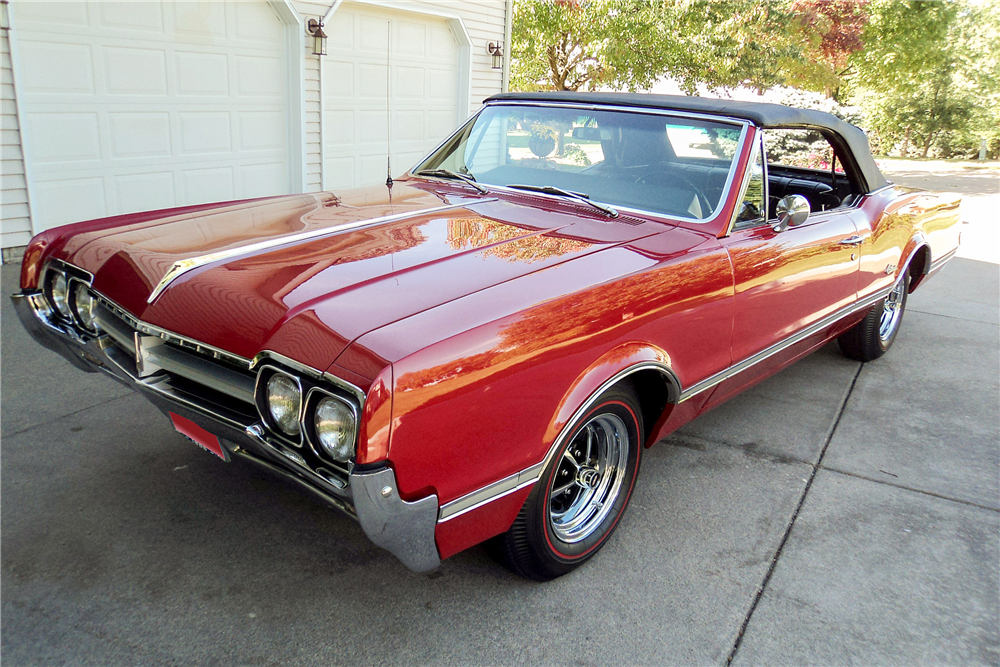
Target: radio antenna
[388,117]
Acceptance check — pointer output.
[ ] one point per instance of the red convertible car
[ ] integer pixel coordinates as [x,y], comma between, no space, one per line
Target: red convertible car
[481,349]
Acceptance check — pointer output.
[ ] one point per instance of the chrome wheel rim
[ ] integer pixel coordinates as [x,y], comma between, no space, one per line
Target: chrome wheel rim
[588,478]
[892,310]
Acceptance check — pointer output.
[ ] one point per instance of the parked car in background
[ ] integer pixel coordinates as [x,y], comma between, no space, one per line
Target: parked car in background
[481,349]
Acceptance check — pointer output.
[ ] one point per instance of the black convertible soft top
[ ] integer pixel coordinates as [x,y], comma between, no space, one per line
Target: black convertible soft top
[850,141]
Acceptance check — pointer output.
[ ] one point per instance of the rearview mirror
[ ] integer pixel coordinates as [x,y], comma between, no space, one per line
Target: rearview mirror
[587,133]
[792,211]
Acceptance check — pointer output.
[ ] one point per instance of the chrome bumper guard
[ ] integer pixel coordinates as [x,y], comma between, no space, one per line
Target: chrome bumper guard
[405,529]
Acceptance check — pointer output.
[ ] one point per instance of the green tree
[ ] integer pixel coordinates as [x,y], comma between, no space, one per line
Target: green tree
[927,75]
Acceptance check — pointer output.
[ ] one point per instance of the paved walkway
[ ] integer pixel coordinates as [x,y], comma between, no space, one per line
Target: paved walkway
[838,513]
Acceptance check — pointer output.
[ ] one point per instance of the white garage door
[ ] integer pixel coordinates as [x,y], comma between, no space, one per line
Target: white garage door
[423,65]
[141,105]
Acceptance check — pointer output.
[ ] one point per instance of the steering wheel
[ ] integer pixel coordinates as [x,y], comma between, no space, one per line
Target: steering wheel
[706,206]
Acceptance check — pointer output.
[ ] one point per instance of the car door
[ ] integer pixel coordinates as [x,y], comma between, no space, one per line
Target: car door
[784,281]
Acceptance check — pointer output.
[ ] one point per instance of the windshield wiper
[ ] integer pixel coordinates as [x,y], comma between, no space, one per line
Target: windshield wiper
[447,173]
[569,194]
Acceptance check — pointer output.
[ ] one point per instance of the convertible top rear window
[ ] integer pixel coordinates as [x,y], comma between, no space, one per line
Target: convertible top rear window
[673,165]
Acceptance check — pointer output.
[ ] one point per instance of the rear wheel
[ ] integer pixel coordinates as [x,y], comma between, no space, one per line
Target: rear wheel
[870,338]
[582,493]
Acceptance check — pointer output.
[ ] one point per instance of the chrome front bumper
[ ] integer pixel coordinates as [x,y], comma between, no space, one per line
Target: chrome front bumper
[405,529]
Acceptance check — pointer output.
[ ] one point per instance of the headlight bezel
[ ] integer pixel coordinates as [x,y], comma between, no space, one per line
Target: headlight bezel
[49,278]
[261,399]
[314,398]
[314,388]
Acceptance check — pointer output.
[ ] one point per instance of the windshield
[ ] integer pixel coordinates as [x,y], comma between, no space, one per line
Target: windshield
[664,164]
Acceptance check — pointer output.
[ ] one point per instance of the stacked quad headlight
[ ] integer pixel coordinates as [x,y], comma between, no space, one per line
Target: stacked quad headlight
[284,401]
[335,427]
[84,304]
[58,293]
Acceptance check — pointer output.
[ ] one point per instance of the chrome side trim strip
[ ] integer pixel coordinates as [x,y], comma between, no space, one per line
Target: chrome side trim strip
[183,266]
[489,493]
[798,337]
[530,475]
[942,260]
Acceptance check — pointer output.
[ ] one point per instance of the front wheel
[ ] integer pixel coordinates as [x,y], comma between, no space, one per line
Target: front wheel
[581,494]
[870,338]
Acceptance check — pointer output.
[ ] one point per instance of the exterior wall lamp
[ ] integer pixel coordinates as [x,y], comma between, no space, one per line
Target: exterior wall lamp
[315,28]
[495,49]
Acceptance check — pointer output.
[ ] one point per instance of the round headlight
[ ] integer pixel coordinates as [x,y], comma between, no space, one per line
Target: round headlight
[334,423]
[84,304]
[59,291]
[283,401]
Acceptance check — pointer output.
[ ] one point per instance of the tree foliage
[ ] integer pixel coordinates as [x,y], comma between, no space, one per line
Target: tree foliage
[925,73]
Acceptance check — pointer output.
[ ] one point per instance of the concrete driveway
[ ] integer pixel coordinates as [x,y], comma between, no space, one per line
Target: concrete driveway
[838,513]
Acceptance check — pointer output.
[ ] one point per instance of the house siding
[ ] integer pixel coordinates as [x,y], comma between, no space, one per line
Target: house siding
[16,218]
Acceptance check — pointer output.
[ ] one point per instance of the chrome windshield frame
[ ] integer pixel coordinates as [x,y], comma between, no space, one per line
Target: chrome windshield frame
[745,127]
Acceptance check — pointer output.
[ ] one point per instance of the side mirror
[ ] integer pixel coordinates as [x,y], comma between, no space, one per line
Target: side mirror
[792,210]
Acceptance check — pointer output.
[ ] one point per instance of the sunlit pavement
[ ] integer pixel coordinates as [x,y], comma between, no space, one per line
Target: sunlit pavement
[838,513]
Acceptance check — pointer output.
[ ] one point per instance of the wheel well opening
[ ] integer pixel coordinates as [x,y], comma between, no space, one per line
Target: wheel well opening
[918,266]
[654,395]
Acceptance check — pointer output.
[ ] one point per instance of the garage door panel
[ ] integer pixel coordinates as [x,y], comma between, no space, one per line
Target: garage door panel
[254,21]
[53,13]
[132,15]
[339,127]
[199,19]
[131,102]
[260,77]
[373,34]
[56,68]
[140,134]
[205,132]
[132,71]
[410,38]
[264,180]
[260,130]
[409,82]
[205,185]
[61,201]
[63,137]
[145,192]
[372,80]
[202,73]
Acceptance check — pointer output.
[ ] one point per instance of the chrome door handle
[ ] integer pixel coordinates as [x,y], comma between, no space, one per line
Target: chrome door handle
[852,240]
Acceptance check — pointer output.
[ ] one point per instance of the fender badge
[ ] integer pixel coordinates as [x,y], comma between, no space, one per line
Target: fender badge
[889,270]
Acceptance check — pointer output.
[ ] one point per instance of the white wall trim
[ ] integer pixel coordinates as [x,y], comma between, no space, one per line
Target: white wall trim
[15,75]
[295,46]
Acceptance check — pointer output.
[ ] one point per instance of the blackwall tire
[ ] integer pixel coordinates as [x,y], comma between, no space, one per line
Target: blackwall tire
[872,337]
[582,493]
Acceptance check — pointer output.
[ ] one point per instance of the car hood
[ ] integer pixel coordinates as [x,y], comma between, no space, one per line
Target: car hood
[305,275]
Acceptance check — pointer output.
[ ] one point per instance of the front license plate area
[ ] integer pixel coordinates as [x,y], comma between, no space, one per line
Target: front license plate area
[199,436]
